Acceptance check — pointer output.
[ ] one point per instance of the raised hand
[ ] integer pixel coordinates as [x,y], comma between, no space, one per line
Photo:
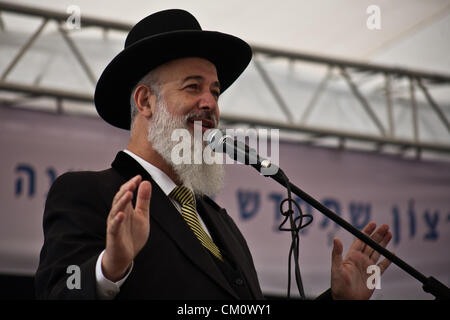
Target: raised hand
[349,276]
[127,228]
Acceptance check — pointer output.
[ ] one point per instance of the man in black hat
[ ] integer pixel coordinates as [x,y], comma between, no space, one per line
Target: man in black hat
[172,73]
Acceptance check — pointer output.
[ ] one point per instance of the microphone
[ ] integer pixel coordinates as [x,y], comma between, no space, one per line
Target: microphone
[237,150]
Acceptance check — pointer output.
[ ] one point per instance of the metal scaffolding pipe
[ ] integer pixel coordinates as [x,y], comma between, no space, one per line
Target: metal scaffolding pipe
[273,89]
[61,17]
[363,101]
[78,55]
[390,112]
[434,105]
[361,66]
[46,92]
[24,49]
[340,134]
[391,73]
[316,131]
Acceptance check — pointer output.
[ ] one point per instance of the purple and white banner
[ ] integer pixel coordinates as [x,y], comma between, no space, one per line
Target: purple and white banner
[412,196]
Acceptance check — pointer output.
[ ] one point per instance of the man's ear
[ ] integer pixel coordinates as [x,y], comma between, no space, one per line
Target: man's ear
[144,101]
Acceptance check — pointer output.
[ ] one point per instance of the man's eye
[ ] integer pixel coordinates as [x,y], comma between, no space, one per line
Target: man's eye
[192,86]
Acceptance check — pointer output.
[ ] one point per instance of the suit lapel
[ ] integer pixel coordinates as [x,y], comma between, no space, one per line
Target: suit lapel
[170,220]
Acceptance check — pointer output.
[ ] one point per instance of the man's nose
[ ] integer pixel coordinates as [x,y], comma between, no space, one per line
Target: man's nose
[208,102]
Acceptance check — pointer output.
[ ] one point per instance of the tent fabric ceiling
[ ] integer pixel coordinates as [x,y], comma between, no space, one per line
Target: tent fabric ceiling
[413,34]
[334,28]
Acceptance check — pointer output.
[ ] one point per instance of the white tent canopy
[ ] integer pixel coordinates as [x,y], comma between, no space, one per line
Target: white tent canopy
[412,35]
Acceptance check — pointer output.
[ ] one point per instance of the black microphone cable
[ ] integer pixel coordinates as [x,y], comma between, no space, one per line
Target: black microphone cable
[296,224]
[238,150]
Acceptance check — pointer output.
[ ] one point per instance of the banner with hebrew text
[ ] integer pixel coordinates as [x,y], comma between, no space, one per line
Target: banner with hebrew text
[412,196]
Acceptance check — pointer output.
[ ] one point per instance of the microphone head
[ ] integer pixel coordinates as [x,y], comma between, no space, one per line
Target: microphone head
[216,140]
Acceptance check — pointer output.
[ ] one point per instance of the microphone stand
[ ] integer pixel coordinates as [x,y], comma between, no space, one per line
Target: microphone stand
[430,284]
[241,152]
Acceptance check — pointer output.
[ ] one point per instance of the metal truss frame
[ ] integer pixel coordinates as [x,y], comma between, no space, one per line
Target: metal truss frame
[344,69]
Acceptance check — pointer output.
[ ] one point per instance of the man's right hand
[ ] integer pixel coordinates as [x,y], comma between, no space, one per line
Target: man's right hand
[127,229]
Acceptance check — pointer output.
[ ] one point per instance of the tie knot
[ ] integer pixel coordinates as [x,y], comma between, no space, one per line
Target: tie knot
[183,195]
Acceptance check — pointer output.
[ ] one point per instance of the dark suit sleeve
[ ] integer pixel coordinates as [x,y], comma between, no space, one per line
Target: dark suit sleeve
[74,225]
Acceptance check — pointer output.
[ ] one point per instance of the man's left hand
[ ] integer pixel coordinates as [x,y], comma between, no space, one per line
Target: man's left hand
[349,276]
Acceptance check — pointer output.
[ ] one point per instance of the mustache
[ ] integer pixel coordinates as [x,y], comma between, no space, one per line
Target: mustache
[207,115]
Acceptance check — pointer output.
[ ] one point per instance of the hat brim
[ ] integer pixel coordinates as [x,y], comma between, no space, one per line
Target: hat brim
[229,54]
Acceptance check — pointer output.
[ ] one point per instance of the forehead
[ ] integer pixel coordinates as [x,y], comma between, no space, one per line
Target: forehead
[181,68]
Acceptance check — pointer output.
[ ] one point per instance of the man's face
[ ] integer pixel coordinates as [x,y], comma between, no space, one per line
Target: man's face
[188,92]
[190,87]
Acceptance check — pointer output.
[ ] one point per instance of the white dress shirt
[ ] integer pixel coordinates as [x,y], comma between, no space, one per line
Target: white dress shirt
[106,289]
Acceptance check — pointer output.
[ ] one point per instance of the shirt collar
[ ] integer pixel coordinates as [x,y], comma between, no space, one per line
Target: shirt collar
[162,179]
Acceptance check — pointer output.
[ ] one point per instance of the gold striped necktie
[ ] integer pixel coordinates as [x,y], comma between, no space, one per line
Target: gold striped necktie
[185,198]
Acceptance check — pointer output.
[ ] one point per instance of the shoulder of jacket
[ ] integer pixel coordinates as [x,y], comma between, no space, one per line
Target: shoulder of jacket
[212,203]
[77,175]
[90,178]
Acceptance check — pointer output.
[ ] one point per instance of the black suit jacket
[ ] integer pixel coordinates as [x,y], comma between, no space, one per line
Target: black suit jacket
[172,264]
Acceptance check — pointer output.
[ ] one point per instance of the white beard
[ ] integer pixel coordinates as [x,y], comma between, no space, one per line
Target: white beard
[203,179]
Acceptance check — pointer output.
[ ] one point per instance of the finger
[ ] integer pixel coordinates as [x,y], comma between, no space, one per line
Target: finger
[120,204]
[377,236]
[143,198]
[336,254]
[114,225]
[130,185]
[375,255]
[384,264]
[358,244]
